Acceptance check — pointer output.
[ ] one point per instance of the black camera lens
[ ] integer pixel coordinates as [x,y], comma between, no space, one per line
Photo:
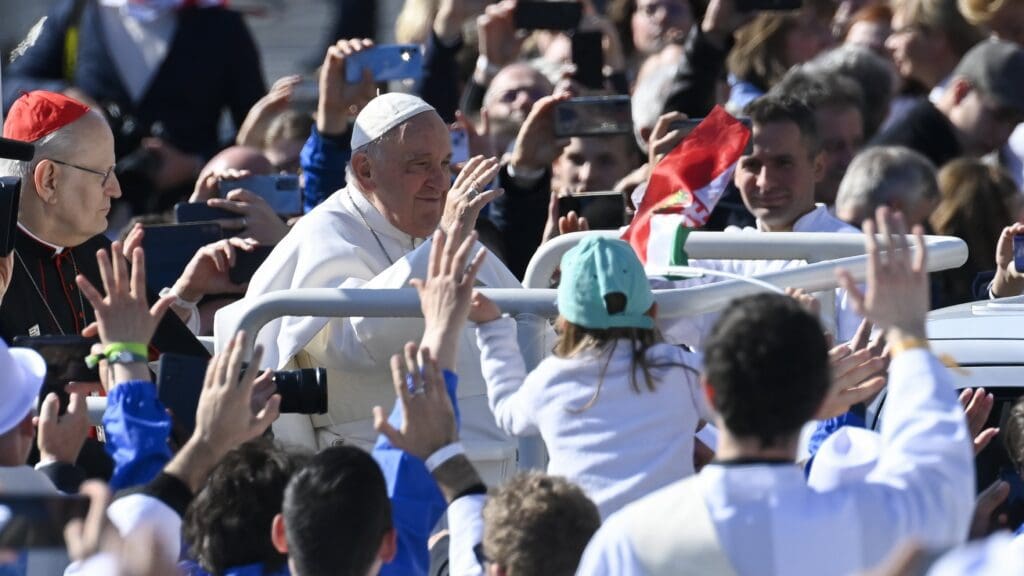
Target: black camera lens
[302,391]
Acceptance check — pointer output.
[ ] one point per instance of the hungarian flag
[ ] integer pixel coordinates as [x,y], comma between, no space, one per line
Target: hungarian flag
[684,187]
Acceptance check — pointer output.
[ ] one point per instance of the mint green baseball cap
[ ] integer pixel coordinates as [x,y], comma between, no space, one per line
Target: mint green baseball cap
[594,268]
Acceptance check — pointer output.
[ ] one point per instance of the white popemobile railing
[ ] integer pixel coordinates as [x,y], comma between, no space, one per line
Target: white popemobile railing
[824,253]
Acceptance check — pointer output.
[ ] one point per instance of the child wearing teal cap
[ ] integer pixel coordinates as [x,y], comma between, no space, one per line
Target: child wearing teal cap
[616,406]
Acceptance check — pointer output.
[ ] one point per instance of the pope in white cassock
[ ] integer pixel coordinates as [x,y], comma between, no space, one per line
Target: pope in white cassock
[374,233]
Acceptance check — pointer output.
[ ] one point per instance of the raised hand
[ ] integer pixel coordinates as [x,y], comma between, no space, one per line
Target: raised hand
[977,407]
[663,139]
[124,314]
[857,376]
[1008,280]
[340,100]
[61,437]
[446,292]
[536,145]
[428,418]
[897,286]
[482,309]
[257,220]
[467,197]
[558,224]
[208,271]
[225,417]
[208,184]
[497,37]
[254,128]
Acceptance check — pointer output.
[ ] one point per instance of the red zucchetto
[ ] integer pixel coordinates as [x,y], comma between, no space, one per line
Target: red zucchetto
[38,113]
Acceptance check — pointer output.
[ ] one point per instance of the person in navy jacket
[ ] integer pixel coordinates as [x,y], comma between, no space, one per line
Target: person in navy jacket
[164,76]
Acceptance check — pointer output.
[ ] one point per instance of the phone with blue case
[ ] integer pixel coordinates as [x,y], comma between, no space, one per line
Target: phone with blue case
[281,191]
[386,62]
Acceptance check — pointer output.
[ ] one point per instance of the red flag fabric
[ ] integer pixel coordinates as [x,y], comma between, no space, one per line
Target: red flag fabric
[690,179]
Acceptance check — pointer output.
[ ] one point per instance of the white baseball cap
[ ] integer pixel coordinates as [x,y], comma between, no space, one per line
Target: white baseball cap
[22,371]
[384,113]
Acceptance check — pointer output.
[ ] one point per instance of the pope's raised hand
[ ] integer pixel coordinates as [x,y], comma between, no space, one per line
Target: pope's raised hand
[468,197]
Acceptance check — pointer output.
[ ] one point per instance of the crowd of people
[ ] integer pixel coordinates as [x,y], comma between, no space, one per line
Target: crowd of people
[748,441]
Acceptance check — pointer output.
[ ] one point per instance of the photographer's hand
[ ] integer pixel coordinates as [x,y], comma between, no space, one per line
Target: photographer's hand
[61,437]
[225,417]
[536,145]
[1008,280]
[340,100]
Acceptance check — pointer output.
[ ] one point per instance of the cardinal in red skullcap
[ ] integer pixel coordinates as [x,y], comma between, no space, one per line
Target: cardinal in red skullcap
[66,195]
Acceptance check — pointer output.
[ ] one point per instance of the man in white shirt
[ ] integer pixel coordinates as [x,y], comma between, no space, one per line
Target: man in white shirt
[371,234]
[777,182]
[751,511]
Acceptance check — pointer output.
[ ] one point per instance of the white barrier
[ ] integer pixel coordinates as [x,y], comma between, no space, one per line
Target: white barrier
[841,251]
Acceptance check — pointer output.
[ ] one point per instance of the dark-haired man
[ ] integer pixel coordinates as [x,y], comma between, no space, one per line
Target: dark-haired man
[975,115]
[751,511]
[777,183]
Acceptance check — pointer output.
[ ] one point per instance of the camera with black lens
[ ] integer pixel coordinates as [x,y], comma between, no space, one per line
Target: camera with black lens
[302,391]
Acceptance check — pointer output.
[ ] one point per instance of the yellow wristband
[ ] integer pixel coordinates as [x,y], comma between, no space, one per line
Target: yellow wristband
[903,344]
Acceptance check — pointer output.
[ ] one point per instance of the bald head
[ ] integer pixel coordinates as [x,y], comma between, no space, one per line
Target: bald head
[240,158]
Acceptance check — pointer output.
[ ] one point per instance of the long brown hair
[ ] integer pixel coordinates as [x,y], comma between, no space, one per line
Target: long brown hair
[574,339]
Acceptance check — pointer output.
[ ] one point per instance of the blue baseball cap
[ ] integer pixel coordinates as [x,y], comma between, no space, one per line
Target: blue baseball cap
[595,268]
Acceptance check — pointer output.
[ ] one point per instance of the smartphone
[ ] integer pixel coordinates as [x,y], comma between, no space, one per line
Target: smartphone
[65,363]
[1018,253]
[281,191]
[185,212]
[687,126]
[38,521]
[179,383]
[10,197]
[170,248]
[593,116]
[766,5]
[588,56]
[246,263]
[64,355]
[568,204]
[460,146]
[386,62]
[541,15]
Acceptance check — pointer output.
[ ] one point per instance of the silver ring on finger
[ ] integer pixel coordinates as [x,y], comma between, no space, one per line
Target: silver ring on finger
[418,391]
[245,222]
[473,193]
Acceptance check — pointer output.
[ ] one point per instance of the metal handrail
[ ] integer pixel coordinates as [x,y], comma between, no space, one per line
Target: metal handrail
[943,253]
[808,246]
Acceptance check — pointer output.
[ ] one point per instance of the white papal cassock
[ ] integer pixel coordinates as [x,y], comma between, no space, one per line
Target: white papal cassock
[346,243]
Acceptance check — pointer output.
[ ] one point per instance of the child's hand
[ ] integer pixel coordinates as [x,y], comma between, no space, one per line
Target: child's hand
[482,310]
